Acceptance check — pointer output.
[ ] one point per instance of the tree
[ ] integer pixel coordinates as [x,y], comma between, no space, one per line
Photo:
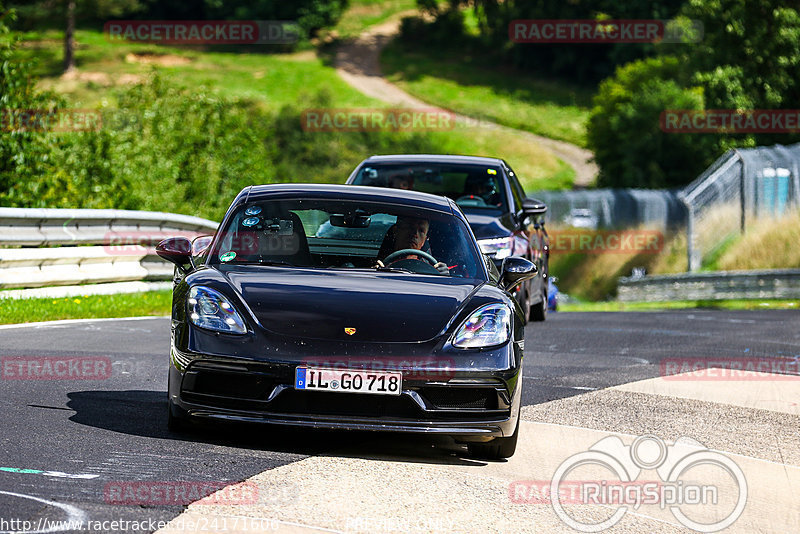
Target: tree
[624,128]
[35,13]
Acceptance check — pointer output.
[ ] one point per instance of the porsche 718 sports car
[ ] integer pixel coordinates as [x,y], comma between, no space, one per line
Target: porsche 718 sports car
[347,307]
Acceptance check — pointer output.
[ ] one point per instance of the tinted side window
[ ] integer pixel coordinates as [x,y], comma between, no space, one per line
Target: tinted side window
[516,189]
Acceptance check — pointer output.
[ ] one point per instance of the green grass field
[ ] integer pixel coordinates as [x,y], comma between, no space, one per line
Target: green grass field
[269,80]
[17,311]
[471,86]
[365,13]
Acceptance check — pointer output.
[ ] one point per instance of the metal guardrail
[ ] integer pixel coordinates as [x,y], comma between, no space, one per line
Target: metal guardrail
[46,247]
[45,227]
[719,285]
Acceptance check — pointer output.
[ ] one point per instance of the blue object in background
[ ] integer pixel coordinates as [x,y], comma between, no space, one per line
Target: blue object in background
[552,295]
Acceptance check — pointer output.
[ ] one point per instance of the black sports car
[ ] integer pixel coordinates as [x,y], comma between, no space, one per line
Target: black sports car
[347,307]
[505,221]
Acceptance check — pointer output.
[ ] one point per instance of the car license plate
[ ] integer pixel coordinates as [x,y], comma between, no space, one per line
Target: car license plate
[348,381]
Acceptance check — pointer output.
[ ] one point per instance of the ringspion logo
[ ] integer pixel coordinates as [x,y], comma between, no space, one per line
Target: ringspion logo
[704,490]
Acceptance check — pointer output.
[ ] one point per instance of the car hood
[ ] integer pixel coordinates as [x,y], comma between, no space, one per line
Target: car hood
[486,226]
[381,307]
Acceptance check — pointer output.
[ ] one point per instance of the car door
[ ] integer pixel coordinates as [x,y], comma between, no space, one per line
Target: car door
[534,230]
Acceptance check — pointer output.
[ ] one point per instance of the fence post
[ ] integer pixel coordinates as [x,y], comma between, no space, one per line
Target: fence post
[692,263]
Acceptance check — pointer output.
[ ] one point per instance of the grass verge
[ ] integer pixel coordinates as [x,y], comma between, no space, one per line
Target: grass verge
[470,86]
[741,304]
[16,311]
[270,81]
[365,13]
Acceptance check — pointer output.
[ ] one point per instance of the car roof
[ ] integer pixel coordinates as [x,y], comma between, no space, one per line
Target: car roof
[433,158]
[349,192]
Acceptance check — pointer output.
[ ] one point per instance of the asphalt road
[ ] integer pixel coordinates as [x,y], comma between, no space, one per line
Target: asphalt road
[65,441]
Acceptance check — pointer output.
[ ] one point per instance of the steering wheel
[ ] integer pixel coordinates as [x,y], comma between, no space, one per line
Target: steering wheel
[471,200]
[407,252]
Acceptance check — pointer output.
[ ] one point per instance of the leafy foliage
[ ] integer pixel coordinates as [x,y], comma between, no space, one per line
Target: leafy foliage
[748,59]
[23,154]
[166,148]
[625,134]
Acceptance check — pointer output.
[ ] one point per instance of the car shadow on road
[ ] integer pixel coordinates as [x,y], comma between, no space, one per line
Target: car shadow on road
[144,414]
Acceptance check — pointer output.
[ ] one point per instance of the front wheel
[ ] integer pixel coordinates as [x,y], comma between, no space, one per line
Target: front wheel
[539,310]
[174,422]
[498,448]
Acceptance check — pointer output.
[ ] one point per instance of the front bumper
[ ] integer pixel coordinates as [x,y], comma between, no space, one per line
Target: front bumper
[472,403]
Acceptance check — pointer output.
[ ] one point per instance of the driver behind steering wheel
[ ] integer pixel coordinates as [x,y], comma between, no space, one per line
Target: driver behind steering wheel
[411,233]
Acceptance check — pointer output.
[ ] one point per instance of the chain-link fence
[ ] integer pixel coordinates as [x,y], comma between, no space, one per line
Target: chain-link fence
[614,208]
[740,185]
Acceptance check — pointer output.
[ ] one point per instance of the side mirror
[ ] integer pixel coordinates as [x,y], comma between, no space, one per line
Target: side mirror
[532,207]
[177,250]
[516,270]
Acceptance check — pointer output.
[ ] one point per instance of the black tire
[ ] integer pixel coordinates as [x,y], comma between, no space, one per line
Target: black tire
[498,448]
[175,423]
[539,310]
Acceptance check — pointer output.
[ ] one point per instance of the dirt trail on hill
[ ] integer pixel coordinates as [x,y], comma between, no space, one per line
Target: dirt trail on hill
[358,63]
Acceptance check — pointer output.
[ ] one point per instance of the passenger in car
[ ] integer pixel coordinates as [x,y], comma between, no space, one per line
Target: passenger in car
[400,180]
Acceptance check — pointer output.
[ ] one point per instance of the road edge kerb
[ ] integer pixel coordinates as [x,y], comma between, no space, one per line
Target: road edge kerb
[78,321]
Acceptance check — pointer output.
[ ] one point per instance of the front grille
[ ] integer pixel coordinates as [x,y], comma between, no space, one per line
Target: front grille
[343,404]
[231,384]
[460,398]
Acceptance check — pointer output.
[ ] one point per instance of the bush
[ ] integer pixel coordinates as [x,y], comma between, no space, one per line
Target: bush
[24,155]
[169,149]
[625,134]
[446,30]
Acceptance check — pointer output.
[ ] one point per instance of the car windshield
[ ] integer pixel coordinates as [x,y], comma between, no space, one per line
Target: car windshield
[326,234]
[470,185]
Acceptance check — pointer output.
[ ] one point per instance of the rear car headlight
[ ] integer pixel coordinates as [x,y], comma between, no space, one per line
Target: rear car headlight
[209,309]
[498,248]
[487,326]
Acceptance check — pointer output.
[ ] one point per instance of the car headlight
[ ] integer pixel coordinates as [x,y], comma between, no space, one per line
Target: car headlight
[498,248]
[209,309]
[487,326]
